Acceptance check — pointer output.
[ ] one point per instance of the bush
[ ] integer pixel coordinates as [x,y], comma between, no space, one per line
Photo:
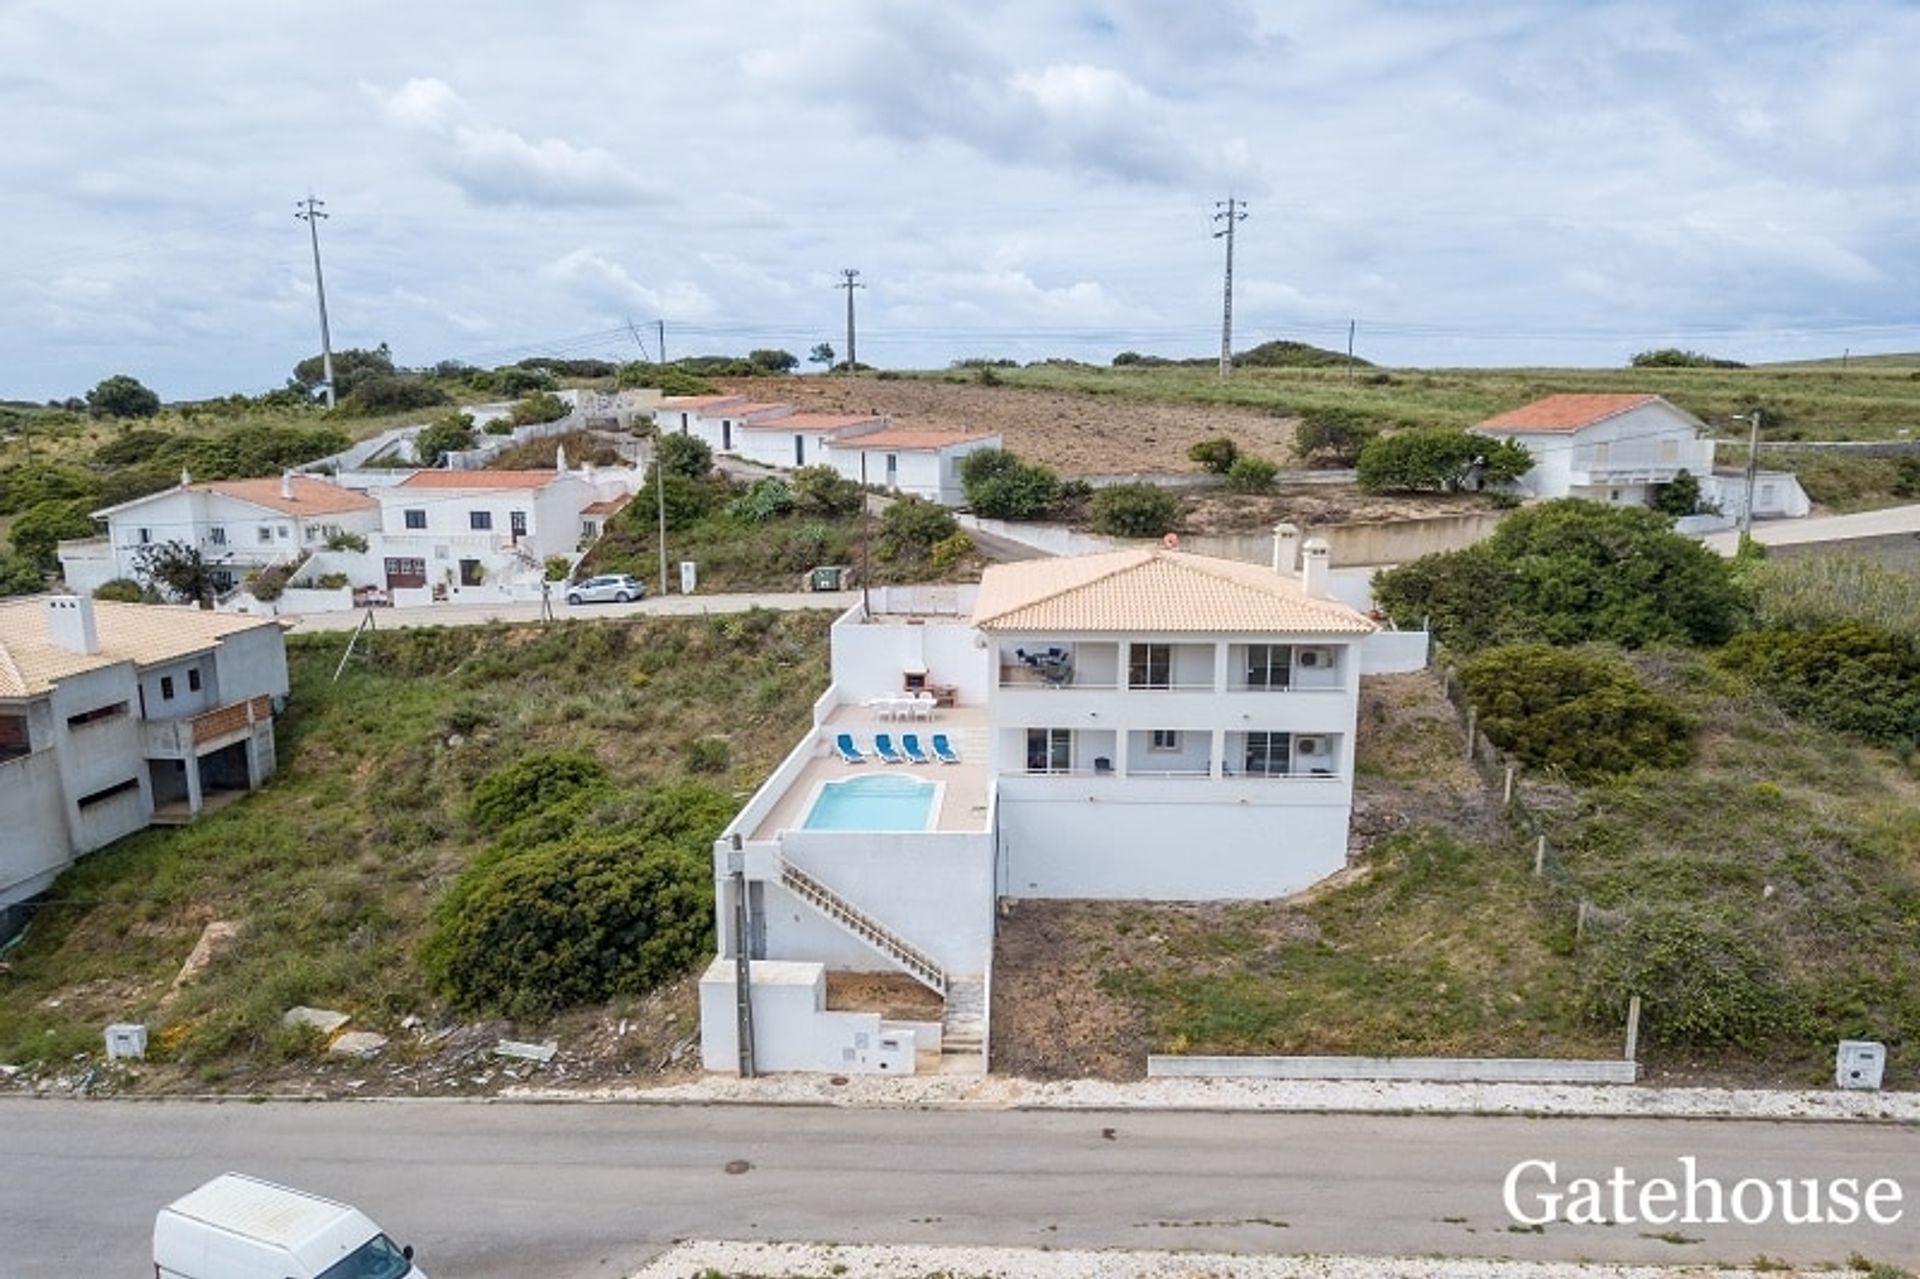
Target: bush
[36,535]
[450,434]
[572,923]
[1413,461]
[1584,714]
[19,576]
[557,568]
[1000,486]
[912,526]
[707,755]
[1133,510]
[518,379]
[332,581]
[1217,454]
[1846,675]
[773,360]
[122,396]
[685,455]
[1704,982]
[663,377]
[382,393]
[132,446]
[499,426]
[31,483]
[270,583]
[949,552]
[1334,437]
[541,406]
[346,541]
[1250,474]
[121,590]
[1670,357]
[824,492]
[768,499]
[532,783]
[1680,496]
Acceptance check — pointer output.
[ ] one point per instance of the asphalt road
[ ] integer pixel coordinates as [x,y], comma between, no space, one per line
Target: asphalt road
[569,1191]
[655,606]
[1886,522]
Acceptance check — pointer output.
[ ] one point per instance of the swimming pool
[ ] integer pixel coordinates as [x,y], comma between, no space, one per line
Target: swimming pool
[878,801]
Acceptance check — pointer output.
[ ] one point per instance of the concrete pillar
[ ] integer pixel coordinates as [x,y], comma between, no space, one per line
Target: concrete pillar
[194,798]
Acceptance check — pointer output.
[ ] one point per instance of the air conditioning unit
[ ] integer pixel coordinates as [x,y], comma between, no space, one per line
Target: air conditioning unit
[1311,657]
[1309,745]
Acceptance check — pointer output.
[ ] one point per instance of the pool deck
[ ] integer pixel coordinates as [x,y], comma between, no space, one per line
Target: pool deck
[963,802]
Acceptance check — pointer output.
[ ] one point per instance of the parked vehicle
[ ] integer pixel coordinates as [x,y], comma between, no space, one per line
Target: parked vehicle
[615,588]
[239,1227]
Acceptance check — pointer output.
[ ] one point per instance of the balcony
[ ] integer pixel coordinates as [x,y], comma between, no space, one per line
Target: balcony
[189,737]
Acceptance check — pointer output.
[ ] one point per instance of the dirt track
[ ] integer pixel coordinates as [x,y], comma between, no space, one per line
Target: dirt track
[1074,434]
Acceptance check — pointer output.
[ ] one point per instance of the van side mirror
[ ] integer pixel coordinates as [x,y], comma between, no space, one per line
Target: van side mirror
[407,1252]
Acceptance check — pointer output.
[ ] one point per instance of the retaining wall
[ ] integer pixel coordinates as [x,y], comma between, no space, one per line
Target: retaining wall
[1492,1070]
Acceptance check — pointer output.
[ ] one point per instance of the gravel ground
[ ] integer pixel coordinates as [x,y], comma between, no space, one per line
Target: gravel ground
[691,1260]
[1342,1096]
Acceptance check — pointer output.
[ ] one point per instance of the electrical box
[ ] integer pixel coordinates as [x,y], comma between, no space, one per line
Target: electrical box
[689,576]
[126,1039]
[1861,1063]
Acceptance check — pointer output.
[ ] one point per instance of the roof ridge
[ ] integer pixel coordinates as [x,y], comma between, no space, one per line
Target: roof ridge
[1137,556]
[1227,571]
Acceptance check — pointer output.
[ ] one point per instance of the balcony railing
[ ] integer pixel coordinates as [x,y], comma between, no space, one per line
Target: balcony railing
[179,738]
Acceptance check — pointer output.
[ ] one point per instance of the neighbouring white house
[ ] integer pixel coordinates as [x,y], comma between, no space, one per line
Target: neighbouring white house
[114,716]
[1144,724]
[716,419]
[922,463]
[485,536]
[794,440]
[238,526]
[1625,449]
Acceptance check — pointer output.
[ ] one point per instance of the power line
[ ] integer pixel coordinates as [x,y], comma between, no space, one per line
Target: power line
[1232,212]
[310,213]
[850,281]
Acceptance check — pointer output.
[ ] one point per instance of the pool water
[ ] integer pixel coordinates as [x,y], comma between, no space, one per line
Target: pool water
[879,801]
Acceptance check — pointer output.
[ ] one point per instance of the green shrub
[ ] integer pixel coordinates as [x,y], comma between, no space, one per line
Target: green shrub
[332,581]
[1217,454]
[1250,474]
[532,783]
[1333,436]
[28,484]
[450,434]
[707,755]
[1414,461]
[684,455]
[1584,714]
[912,526]
[557,568]
[1000,486]
[122,590]
[270,583]
[345,541]
[768,499]
[541,406]
[1134,510]
[499,426]
[1680,496]
[1800,592]
[571,923]
[949,552]
[382,393]
[37,534]
[666,378]
[1703,982]
[1846,675]
[824,492]
[1671,357]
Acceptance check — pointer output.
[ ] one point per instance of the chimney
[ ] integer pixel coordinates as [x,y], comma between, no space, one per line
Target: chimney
[70,624]
[1286,549]
[286,485]
[1313,568]
[185,479]
[560,459]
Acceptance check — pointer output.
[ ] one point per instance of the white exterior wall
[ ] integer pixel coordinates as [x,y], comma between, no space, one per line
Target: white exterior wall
[928,473]
[792,1030]
[870,659]
[224,529]
[1623,455]
[934,889]
[33,815]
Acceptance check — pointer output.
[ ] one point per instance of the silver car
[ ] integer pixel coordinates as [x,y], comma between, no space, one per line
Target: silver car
[615,588]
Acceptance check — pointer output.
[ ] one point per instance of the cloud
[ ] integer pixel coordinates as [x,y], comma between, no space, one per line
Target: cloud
[494,165]
[599,280]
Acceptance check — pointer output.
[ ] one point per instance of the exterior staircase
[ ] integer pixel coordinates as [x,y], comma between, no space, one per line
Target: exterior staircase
[851,919]
[963,1034]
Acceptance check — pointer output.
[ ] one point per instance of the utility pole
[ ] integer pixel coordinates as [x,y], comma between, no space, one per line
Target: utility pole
[1230,211]
[849,282]
[1350,324]
[1753,470]
[660,497]
[661,325]
[310,213]
[637,340]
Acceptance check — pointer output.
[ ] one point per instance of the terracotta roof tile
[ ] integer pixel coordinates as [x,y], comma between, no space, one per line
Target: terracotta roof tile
[699,401]
[31,663]
[912,441]
[1154,590]
[813,422]
[479,479]
[1565,413]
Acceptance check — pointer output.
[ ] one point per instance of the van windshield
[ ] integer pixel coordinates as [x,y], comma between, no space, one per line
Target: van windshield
[377,1258]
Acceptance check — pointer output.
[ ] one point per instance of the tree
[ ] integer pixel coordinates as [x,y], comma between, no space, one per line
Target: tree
[37,534]
[912,526]
[541,406]
[665,378]
[824,492]
[349,367]
[1443,460]
[1680,496]
[1583,713]
[1847,675]
[1250,474]
[822,354]
[1217,455]
[1133,510]
[400,393]
[1671,357]
[450,434]
[177,570]
[773,360]
[18,576]
[122,396]
[1000,486]
[684,455]
[1333,437]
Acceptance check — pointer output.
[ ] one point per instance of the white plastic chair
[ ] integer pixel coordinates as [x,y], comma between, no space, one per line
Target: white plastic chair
[923,706]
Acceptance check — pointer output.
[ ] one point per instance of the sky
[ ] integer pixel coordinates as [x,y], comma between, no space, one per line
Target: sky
[1507,182]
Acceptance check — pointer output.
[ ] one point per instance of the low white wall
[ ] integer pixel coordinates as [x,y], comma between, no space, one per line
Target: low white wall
[33,815]
[933,889]
[1492,1070]
[870,659]
[1391,652]
[1090,838]
[792,1031]
[1054,539]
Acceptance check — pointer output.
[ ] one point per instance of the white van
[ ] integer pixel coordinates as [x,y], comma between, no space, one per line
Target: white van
[239,1227]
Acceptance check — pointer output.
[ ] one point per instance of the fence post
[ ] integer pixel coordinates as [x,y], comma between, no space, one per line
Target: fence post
[1633,1028]
[1506,793]
[1580,921]
[1540,864]
[1473,714]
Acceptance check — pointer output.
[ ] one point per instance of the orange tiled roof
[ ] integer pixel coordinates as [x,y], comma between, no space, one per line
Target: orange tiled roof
[310,496]
[813,422]
[609,506]
[31,663]
[1154,590]
[1562,413]
[479,479]
[699,401]
[909,441]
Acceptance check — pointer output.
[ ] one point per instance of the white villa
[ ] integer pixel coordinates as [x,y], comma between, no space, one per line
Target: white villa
[114,716]
[922,463]
[1140,724]
[1625,449]
[236,525]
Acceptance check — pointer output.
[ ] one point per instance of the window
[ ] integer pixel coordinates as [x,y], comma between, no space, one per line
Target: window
[281,531]
[415,517]
[1669,450]
[1150,666]
[1602,452]
[1049,750]
[217,535]
[799,450]
[146,536]
[1269,665]
[266,534]
[1266,754]
[97,714]
[471,574]
[480,521]
[193,680]
[1164,739]
[517,524]
[166,688]
[893,470]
